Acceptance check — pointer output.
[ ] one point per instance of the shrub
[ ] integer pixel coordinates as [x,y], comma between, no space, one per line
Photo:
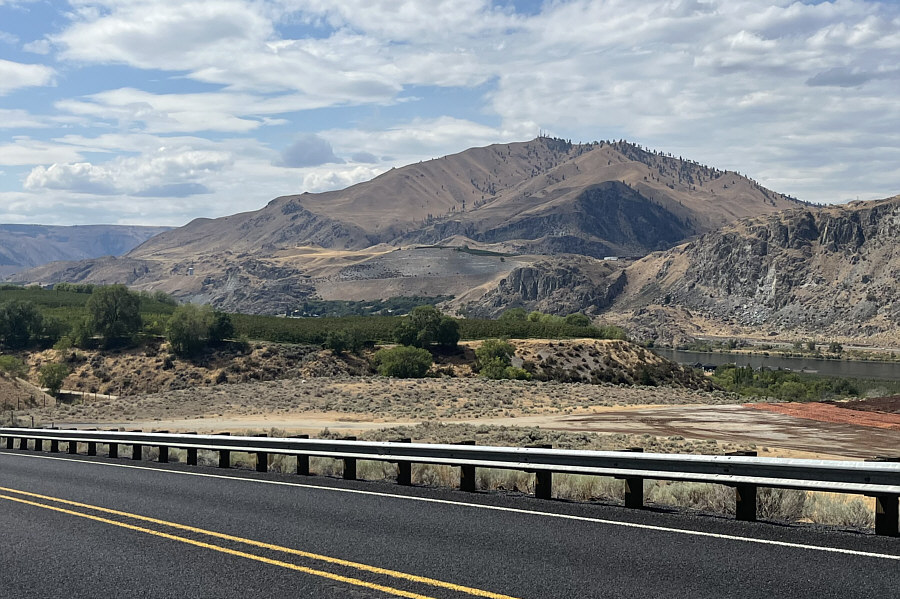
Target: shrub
[494,358]
[403,362]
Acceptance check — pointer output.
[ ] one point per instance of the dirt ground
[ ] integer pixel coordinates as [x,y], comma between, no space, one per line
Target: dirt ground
[739,423]
[351,405]
[838,413]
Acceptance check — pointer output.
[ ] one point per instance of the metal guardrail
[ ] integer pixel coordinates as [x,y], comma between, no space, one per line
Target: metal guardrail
[878,479]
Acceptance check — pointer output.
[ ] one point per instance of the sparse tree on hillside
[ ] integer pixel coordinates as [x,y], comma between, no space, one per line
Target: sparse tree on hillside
[52,376]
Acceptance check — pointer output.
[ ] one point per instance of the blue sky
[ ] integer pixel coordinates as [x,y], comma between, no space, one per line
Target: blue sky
[158,112]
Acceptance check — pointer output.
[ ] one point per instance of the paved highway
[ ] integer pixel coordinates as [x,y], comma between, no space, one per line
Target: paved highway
[90,527]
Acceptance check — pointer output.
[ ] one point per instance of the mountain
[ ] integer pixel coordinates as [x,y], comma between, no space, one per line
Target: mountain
[27,246]
[458,224]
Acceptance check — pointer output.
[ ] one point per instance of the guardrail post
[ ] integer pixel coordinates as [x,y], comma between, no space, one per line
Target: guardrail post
[73,447]
[113,447]
[634,486]
[744,496]
[887,507]
[404,469]
[302,460]
[191,452]
[39,445]
[543,479]
[466,473]
[349,464]
[137,451]
[262,458]
[224,456]
[23,442]
[163,451]
[10,442]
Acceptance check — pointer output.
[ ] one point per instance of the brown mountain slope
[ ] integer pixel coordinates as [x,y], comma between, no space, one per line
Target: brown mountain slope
[494,194]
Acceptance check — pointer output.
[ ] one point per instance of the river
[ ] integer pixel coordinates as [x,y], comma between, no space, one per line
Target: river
[845,368]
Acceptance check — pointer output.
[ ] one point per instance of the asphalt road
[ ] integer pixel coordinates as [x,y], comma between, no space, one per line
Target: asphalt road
[91,527]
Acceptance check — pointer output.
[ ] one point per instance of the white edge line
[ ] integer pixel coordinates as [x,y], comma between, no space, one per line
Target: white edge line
[653,527]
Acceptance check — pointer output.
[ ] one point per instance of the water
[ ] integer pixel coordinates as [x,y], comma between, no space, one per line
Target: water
[889,371]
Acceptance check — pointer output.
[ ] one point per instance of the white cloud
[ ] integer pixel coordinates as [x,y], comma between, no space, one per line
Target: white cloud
[41,46]
[16,75]
[143,175]
[24,151]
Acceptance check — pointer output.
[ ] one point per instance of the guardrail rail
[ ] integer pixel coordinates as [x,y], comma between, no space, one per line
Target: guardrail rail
[879,478]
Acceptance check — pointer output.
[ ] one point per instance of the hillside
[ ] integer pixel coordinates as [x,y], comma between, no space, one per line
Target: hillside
[823,273]
[27,246]
[505,205]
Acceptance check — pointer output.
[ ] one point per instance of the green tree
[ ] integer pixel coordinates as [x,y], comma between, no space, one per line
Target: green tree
[425,326]
[13,366]
[811,345]
[20,324]
[222,327]
[534,316]
[188,329]
[51,376]
[403,362]
[336,341]
[578,320]
[114,313]
[447,332]
[513,315]
[835,348]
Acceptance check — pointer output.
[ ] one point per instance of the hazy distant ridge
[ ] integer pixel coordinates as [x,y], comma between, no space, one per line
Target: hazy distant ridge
[27,246]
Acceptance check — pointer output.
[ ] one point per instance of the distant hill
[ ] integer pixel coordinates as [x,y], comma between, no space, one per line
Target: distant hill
[464,222]
[27,246]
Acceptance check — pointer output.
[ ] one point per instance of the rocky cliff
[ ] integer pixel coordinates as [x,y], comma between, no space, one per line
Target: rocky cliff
[828,271]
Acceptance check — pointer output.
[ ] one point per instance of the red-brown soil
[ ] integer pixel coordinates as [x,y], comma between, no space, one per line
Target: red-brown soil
[889,404]
[840,413]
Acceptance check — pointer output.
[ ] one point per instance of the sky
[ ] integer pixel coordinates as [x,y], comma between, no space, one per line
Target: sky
[159,112]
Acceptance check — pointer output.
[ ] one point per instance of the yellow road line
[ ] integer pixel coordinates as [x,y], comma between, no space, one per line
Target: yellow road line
[258,558]
[315,556]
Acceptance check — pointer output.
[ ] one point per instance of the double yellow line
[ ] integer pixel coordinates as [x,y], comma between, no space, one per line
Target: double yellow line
[19,497]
